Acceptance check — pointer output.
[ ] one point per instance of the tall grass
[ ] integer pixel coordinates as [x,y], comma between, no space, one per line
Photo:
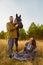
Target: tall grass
[5,60]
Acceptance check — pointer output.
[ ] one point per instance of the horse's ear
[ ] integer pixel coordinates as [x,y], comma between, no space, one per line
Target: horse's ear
[16,15]
[20,16]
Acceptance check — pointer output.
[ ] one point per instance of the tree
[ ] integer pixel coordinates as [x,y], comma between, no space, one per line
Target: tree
[22,34]
[3,35]
[40,31]
[35,31]
[32,31]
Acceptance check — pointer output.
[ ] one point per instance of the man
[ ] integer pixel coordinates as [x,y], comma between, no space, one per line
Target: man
[12,34]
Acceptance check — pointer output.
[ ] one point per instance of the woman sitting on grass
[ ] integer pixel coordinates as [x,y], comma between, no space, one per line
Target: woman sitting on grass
[29,51]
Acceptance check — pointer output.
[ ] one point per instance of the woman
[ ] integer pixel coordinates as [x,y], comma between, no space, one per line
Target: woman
[28,52]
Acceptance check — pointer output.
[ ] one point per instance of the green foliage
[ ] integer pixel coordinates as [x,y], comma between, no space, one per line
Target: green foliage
[32,30]
[22,34]
[35,31]
[3,35]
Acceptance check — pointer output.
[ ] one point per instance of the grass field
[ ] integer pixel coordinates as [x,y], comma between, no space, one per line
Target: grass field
[4,60]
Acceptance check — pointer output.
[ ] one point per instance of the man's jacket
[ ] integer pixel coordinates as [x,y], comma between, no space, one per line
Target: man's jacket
[11,30]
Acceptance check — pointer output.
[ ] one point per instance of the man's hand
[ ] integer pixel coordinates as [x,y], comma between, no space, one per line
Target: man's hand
[16,25]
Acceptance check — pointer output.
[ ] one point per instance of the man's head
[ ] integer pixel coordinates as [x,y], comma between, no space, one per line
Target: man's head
[11,19]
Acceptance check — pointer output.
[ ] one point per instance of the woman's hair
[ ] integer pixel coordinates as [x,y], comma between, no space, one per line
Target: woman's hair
[34,43]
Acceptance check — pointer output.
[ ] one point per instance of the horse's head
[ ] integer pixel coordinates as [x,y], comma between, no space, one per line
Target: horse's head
[18,18]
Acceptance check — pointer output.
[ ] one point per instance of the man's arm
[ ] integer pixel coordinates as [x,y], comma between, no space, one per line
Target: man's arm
[11,28]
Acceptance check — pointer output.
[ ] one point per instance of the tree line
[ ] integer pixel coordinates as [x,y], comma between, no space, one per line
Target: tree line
[34,30]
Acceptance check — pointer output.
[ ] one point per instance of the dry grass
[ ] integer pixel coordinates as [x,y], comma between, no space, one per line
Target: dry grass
[4,60]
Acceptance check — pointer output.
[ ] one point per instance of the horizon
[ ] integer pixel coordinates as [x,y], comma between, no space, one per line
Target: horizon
[31,11]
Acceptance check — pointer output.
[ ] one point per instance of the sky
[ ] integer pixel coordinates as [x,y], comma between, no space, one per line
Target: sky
[31,11]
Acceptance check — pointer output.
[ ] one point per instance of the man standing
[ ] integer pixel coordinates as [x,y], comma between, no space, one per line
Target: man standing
[12,34]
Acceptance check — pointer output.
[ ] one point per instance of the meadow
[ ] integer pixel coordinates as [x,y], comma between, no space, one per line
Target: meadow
[5,60]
